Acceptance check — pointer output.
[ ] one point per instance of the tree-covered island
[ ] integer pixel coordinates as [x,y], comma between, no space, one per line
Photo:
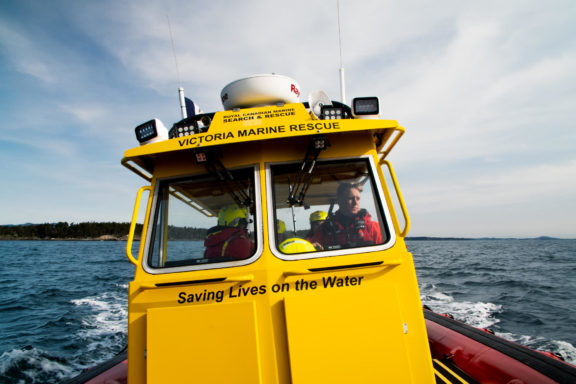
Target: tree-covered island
[88,231]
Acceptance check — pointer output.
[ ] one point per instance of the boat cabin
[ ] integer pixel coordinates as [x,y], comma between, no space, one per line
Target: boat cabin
[272,248]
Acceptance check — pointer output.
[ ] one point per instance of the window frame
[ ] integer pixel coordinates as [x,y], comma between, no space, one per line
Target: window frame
[378,192]
[155,211]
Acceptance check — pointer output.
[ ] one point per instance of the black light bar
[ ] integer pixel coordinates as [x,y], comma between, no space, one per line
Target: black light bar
[151,131]
[365,106]
[191,125]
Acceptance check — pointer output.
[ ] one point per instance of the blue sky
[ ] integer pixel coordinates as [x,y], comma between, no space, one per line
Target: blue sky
[486,91]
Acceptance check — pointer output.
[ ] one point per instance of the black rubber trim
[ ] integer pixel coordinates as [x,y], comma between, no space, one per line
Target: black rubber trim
[99,369]
[552,368]
[190,282]
[337,267]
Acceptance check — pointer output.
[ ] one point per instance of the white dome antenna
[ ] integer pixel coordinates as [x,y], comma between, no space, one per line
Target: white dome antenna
[260,90]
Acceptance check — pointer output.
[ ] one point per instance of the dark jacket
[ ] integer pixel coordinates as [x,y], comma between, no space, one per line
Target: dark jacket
[341,231]
[228,243]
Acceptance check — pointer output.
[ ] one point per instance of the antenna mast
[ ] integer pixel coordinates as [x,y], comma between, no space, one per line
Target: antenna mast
[341,70]
[180,89]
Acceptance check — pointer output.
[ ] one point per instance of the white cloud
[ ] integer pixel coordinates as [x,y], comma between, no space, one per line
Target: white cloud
[485,90]
[85,113]
[496,188]
[47,145]
[23,53]
[482,97]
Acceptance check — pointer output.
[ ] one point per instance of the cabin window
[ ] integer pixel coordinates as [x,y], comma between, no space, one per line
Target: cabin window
[336,206]
[204,221]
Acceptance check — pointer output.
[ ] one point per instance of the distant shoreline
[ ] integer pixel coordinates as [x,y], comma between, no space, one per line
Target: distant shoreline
[99,238]
[113,231]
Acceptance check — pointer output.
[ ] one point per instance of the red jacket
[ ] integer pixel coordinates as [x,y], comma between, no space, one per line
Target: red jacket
[340,231]
[228,243]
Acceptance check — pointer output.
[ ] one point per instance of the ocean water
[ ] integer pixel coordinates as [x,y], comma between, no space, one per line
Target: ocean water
[521,289]
[63,307]
[63,303]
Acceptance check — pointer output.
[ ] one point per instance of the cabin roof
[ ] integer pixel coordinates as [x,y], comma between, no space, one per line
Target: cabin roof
[262,123]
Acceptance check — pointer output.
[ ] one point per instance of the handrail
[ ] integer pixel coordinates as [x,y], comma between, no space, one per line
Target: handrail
[127,163]
[132,259]
[384,147]
[400,199]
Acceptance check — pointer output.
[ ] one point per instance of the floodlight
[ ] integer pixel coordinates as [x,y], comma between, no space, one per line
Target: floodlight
[365,107]
[151,132]
[320,142]
[330,112]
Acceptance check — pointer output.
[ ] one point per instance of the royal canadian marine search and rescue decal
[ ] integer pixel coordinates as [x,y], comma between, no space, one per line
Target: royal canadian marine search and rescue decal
[235,117]
[255,290]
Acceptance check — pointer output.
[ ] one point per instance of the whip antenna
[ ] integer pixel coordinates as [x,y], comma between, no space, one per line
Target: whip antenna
[180,89]
[341,70]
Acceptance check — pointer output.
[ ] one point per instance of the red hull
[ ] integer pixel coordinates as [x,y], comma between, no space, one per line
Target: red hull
[490,359]
[113,371]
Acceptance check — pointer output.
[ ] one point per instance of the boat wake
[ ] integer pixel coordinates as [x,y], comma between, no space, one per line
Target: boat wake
[108,314]
[479,315]
[485,315]
[98,332]
[32,365]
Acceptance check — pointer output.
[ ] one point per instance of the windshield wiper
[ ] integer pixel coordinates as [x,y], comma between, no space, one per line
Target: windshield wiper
[215,167]
[302,182]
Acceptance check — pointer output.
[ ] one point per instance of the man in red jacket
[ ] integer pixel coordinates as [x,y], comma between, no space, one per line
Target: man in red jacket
[350,226]
[229,239]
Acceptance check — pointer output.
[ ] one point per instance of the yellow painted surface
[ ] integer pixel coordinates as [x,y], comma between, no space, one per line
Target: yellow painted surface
[263,124]
[361,323]
[347,335]
[204,344]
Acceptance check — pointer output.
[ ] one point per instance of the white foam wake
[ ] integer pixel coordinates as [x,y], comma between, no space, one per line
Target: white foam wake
[482,315]
[33,366]
[108,316]
[479,314]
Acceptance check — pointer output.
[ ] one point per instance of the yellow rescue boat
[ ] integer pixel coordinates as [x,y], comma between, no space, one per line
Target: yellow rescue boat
[272,251]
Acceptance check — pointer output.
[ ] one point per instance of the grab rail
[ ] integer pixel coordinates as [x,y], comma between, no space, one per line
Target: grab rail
[132,259]
[388,140]
[136,169]
[400,199]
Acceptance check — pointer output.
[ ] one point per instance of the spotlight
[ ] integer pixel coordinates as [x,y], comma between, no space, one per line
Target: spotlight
[365,107]
[151,132]
[330,112]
